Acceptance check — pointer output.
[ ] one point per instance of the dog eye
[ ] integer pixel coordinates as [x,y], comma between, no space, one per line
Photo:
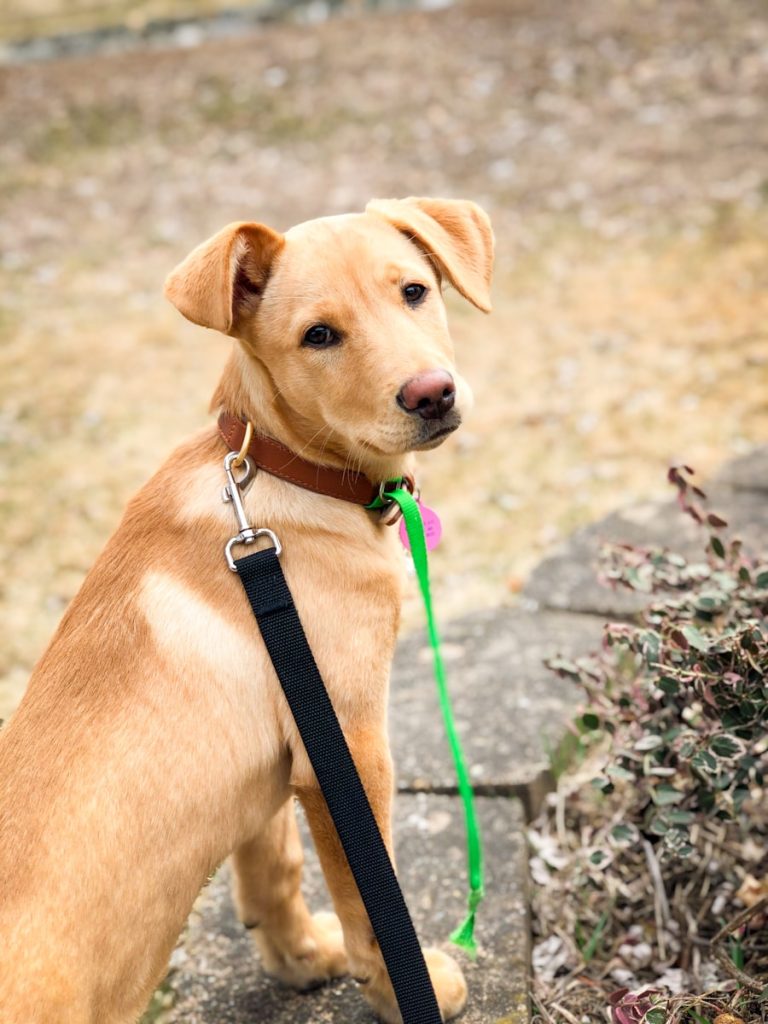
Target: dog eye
[414,293]
[320,336]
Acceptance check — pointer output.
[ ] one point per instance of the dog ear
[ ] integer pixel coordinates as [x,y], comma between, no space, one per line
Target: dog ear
[454,233]
[222,280]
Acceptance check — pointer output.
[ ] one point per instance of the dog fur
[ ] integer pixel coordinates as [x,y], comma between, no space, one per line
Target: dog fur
[153,740]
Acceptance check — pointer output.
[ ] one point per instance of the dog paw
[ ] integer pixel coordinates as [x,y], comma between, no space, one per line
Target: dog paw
[447,980]
[316,958]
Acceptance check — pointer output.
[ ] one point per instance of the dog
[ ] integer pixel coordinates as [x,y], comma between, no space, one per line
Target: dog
[154,740]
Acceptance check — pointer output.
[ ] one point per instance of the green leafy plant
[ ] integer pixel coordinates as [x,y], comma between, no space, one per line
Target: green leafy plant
[683,693]
[641,877]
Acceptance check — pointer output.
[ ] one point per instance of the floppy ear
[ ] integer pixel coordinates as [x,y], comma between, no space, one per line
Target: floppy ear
[223,279]
[454,233]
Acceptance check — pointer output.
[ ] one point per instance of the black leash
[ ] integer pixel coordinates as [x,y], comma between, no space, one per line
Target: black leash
[272,604]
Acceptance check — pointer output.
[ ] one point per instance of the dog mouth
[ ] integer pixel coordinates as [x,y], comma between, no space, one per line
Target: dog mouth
[427,435]
[434,432]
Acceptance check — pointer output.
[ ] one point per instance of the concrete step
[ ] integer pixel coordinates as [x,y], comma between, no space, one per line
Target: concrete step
[216,977]
[511,710]
[567,580]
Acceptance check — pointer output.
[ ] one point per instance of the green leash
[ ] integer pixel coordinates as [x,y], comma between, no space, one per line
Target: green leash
[464,934]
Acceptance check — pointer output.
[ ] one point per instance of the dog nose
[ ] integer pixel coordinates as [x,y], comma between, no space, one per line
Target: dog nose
[429,394]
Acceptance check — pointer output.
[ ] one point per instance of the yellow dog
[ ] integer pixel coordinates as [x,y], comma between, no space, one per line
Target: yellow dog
[154,739]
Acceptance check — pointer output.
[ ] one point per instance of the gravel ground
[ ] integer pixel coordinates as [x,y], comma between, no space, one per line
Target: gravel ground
[620,150]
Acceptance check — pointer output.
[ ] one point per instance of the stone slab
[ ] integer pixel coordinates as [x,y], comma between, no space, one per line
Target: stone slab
[511,710]
[747,473]
[216,978]
[568,578]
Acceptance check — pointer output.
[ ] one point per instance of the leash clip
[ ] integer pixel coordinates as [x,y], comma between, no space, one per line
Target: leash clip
[232,492]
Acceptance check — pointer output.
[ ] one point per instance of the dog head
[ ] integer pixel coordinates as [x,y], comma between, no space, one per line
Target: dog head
[342,321]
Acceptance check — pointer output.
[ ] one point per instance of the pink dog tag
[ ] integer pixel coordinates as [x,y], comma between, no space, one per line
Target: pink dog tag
[433,529]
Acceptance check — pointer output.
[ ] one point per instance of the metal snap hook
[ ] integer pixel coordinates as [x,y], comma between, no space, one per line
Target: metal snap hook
[234,488]
[232,492]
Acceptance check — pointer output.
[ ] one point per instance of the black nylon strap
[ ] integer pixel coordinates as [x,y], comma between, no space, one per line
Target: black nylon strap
[272,604]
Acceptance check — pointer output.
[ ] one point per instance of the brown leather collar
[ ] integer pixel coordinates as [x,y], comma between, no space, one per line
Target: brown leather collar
[275,458]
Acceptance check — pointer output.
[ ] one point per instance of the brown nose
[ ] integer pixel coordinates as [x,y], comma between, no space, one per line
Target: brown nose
[429,394]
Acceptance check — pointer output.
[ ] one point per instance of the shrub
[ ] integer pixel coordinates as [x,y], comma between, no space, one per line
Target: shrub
[639,876]
[683,694]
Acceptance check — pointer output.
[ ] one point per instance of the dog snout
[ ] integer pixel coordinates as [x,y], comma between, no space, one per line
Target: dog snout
[430,395]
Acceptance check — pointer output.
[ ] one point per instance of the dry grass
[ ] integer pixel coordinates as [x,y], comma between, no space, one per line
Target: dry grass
[629,329]
[20,19]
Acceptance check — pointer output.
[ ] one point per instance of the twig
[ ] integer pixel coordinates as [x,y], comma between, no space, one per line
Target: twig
[542,1010]
[696,965]
[560,815]
[722,955]
[660,905]
[565,1013]
[741,918]
[745,979]
[678,1005]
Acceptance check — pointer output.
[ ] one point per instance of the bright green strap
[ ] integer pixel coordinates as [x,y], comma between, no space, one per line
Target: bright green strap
[464,935]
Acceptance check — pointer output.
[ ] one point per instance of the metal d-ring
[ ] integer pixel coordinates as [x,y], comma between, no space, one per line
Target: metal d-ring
[390,511]
[248,536]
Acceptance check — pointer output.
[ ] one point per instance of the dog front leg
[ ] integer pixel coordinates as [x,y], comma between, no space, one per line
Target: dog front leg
[366,964]
[300,949]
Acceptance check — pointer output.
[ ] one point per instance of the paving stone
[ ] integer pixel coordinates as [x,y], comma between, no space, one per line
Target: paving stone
[748,473]
[568,579]
[217,978]
[511,710]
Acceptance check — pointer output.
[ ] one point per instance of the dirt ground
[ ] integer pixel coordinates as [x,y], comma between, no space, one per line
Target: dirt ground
[620,150]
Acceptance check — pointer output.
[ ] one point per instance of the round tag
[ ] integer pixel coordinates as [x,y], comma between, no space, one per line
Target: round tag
[433,529]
